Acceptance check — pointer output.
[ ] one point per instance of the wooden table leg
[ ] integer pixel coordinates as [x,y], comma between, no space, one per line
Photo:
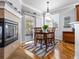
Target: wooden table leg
[46,44]
[41,44]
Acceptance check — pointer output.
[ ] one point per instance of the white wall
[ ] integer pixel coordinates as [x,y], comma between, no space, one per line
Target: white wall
[57,31]
[76,40]
[23,28]
[39,21]
[69,11]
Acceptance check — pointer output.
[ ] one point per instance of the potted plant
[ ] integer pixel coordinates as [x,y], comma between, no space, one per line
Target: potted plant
[45,27]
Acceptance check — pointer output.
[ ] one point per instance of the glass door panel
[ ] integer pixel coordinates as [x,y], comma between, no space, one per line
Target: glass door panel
[29,24]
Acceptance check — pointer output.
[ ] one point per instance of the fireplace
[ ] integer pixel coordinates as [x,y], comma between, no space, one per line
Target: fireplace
[8,32]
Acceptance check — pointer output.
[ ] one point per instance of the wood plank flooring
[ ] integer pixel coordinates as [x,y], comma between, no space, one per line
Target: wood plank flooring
[62,51]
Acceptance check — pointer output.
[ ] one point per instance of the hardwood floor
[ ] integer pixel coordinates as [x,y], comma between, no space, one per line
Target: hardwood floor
[62,51]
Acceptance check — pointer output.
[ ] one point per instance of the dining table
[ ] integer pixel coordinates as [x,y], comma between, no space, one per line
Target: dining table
[45,37]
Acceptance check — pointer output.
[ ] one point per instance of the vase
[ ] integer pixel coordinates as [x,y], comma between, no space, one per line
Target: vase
[45,30]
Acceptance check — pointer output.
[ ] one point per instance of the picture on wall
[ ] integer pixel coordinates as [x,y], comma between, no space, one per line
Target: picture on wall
[66,22]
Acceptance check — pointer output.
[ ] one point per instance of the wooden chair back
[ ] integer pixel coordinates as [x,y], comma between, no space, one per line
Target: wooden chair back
[38,33]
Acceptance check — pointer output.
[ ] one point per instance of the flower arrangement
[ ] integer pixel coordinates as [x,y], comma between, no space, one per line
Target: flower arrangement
[45,27]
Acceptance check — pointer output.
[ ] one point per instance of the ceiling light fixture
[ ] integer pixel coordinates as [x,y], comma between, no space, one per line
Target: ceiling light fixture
[47,14]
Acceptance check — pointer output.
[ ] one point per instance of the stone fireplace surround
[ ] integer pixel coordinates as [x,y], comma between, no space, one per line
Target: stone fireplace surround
[8,33]
[8,13]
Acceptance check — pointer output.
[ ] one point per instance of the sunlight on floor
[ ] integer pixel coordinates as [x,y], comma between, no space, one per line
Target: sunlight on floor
[29,42]
[57,54]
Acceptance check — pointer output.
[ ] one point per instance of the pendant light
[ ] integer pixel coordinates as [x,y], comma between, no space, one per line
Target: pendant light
[47,14]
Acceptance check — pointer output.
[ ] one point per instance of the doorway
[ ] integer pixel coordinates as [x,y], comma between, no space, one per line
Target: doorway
[29,25]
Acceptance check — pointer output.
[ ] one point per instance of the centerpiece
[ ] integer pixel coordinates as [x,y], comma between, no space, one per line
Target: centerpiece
[45,27]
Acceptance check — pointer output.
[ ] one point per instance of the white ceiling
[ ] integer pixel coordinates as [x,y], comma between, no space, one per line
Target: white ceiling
[40,5]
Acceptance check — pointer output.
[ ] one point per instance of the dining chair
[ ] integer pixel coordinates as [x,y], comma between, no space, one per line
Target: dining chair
[51,34]
[37,29]
[49,39]
[38,36]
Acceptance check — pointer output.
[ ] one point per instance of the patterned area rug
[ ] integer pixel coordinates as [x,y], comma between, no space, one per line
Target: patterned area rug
[40,52]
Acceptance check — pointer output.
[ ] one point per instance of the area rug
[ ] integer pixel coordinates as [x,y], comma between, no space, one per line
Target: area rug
[40,52]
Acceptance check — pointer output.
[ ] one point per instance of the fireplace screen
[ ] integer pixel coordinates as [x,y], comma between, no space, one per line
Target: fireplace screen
[8,32]
[11,33]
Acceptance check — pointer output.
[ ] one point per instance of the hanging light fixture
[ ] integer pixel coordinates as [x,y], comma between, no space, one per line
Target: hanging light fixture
[48,15]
